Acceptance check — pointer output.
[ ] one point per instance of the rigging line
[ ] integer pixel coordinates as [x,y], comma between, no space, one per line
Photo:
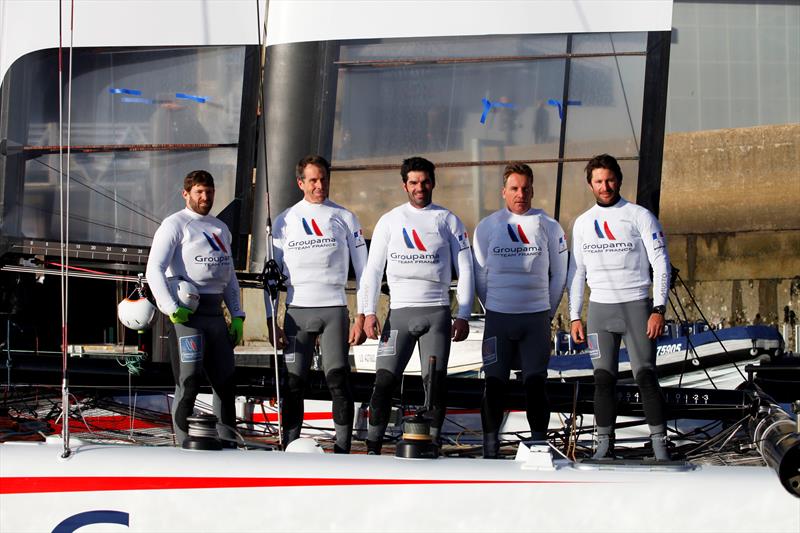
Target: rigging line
[690,345]
[703,316]
[90,222]
[63,281]
[269,256]
[97,189]
[678,324]
[624,94]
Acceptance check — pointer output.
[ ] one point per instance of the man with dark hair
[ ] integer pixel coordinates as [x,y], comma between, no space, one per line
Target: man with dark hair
[314,242]
[194,246]
[520,269]
[614,245]
[421,242]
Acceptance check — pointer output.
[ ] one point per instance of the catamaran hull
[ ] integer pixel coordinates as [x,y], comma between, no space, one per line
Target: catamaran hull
[168,489]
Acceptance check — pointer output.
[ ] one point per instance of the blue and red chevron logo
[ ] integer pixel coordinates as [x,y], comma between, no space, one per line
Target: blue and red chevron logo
[308,229]
[215,242]
[606,229]
[516,234]
[417,242]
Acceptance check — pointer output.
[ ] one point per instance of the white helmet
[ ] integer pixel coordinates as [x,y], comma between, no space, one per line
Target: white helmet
[184,293]
[136,314]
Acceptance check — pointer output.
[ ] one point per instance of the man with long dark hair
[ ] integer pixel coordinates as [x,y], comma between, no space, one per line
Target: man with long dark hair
[614,246]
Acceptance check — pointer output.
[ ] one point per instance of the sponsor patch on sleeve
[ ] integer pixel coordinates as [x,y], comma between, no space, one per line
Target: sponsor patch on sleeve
[358,237]
[463,241]
[658,240]
[191,348]
[562,244]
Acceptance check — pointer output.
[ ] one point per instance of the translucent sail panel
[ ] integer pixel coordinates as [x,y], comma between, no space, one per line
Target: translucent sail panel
[448,113]
[609,43]
[605,106]
[114,198]
[123,101]
[576,197]
[455,47]
[471,192]
[159,96]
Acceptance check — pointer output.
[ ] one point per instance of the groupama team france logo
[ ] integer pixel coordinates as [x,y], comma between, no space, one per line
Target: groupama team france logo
[516,234]
[417,242]
[313,229]
[604,233]
[215,242]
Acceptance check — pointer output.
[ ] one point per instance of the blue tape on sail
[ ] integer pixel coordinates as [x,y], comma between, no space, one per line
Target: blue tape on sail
[488,105]
[557,103]
[198,99]
[134,92]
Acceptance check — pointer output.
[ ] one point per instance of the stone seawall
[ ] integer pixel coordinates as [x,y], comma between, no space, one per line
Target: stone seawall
[730,205]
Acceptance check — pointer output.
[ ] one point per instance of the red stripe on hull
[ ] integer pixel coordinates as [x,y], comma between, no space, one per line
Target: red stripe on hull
[35,485]
[109,423]
[273,417]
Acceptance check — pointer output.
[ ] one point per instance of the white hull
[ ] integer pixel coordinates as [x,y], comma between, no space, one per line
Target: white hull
[274,491]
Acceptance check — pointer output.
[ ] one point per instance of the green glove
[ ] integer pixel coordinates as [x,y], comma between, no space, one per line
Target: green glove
[180,316]
[236,331]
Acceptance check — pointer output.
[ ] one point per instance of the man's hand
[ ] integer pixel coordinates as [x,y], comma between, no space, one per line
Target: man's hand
[655,325]
[357,335]
[576,330]
[459,330]
[181,315]
[236,330]
[283,342]
[371,327]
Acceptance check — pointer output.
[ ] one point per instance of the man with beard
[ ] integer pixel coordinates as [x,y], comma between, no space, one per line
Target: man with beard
[196,247]
[614,246]
[419,243]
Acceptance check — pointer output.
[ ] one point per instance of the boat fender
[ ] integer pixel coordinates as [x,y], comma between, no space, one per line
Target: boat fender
[304,445]
[137,315]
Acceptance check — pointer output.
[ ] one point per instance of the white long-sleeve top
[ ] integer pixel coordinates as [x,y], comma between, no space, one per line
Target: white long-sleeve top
[419,248]
[613,249]
[196,248]
[520,262]
[314,244]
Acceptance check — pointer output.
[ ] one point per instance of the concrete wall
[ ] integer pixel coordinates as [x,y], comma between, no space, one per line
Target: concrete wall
[730,204]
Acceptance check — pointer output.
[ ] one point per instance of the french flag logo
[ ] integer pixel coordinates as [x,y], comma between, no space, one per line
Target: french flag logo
[313,229]
[516,234]
[658,235]
[215,242]
[605,232]
[413,241]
